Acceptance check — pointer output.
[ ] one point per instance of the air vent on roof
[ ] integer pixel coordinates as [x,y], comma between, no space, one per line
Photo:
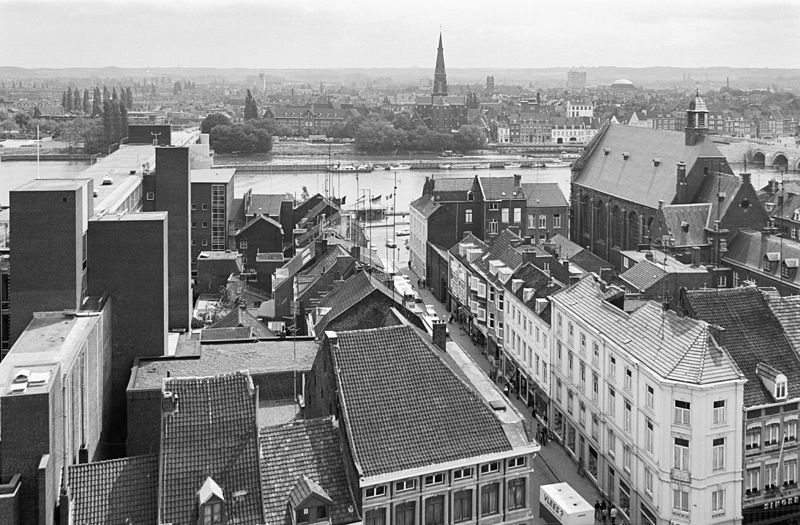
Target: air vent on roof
[625,155]
[606,151]
[656,161]
[721,195]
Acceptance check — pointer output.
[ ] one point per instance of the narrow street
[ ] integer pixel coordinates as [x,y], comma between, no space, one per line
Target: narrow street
[553,464]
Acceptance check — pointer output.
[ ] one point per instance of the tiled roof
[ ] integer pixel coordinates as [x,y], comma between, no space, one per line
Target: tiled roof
[304,488]
[404,408]
[749,247]
[345,296]
[115,491]
[212,433]
[453,188]
[240,317]
[675,348]
[500,188]
[643,275]
[425,205]
[311,448]
[335,259]
[752,335]
[637,178]
[544,194]
[259,357]
[686,223]
[787,311]
[710,189]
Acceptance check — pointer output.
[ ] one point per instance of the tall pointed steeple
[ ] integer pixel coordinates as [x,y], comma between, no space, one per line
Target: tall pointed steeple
[439,76]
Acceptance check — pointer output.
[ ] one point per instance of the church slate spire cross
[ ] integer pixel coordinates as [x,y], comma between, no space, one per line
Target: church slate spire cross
[439,75]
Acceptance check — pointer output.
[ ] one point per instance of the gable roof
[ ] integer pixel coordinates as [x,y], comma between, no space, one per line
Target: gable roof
[425,205]
[259,217]
[643,275]
[500,188]
[403,407]
[213,433]
[686,223]
[544,195]
[344,297]
[749,247]
[115,491]
[752,335]
[240,318]
[637,179]
[453,188]
[266,203]
[304,488]
[310,448]
[674,348]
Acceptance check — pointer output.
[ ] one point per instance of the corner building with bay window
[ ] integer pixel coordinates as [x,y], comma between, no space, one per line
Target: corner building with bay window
[637,396]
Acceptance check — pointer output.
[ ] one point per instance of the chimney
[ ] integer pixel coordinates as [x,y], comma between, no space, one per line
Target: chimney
[517,180]
[516,284]
[695,256]
[745,178]
[718,333]
[680,189]
[333,338]
[773,186]
[169,403]
[355,252]
[528,255]
[648,255]
[440,335]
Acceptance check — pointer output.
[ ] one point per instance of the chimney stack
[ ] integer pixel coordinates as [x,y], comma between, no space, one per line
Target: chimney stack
[680,189]
[745,178]
[440,335]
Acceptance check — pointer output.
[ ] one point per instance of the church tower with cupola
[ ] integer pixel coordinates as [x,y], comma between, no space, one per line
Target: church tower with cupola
[696,121]
[439,75]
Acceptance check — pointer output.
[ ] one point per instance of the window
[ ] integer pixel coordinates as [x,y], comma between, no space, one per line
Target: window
[753,438]
[780,389]
[462,473]
[570,333]
[531,221]
[194,206]
[583,344]
[569,401]
[595,353]
[194,224]
[212,513]
[558,390]
[583,376]
[791,430]
[375,517]
[595,426]
[194,242]
[434,479]
[516,462]
[556,221]
[680,499]
[718,454]
[517,215]
[516,494]
[790,472]
[504,215]
[490,499]
[491,320]
[570,365]
[375,492]
[595,387]
[626,457]
[243,244]
[612,401]
[582,414]
[488,468]
[468,216]
[406,484]
[612,367]
[722,281]
[493,226]
[205,207]
[404,513]
[682,409]
[434,510]
[628,416]
[301,515]
[753,480]
[649,437]
[494,206]
[771,476]
[612,443]
[773,430]
[680,454]
[648,481]
[500,300]
[628,379]
[651,397]
[542,221]
[470,196]
[558,354]
[204,242]
[719,412]
[718,500]
[462,505]
[151,196]
[205,224]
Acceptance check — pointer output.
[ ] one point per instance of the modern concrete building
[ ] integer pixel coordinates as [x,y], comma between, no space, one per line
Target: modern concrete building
[212,200]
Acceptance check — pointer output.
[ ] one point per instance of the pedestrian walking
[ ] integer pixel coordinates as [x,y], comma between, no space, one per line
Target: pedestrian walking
[545,435]
[603,515]
[596,510]
[539,433]
[613,514]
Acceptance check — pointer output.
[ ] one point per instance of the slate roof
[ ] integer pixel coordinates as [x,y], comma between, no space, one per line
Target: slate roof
[749,247]
[540,282]
[544,195]
[425,206]
[580,257]
[115,491]
[309,447]
[453,188]
[695,217]
[638,179]
[268,204]
[239,318]
[709,190]
[752,335]
[404,408]
[259,357]
[675,348]
[502,249]
[643,275]
[500,188]
[213,433]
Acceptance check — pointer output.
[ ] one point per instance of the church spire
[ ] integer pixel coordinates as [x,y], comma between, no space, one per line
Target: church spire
[439,76]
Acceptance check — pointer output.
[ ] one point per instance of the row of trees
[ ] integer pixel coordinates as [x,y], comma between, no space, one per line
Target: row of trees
[73,102]
[250,136]
[376,134]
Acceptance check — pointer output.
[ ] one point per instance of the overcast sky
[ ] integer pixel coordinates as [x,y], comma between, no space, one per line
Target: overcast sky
[399,33]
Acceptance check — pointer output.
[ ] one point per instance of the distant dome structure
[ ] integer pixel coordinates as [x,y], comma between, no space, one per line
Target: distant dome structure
[623,83]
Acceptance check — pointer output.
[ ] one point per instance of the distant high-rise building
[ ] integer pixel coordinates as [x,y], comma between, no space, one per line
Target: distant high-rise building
[490,84]
[576,80]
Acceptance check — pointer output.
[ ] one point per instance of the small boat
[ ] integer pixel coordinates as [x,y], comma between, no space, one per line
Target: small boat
[400,166]
[446,154]
[445,166]
[364,167]
[555,164]
[378,167]
[339,168]
[513,164]
[568,156]
[481,166]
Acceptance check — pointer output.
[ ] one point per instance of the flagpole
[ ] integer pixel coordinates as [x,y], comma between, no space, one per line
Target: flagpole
[38,146]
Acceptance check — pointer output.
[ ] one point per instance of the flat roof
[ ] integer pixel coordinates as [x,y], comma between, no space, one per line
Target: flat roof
[53,184]
[50,339]
[213,175]
[258,357]
[130,217]
[228,254]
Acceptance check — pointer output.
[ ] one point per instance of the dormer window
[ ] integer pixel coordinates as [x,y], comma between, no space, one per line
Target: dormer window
[210,502]
[796,215]
[470,196]
[789,268]
[770,261]
[309,502]
[780,388]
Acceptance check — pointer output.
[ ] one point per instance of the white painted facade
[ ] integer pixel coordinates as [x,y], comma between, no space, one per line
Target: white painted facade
[418,240]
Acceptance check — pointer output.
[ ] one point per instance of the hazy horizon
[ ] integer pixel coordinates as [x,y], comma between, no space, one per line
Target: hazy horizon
[359,34]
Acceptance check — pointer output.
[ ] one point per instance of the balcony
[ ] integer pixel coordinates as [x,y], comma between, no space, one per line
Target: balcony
[681,476]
